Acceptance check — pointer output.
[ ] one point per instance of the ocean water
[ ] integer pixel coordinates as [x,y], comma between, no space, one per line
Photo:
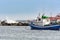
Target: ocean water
[25,33]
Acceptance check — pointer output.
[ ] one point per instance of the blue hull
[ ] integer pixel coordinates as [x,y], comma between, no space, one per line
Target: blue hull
[52,27]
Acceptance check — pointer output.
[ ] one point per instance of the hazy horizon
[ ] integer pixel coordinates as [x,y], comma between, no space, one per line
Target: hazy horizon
[28,9]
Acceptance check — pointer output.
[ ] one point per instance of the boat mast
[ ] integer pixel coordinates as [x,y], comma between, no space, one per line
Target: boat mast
[38,18]
[51,14]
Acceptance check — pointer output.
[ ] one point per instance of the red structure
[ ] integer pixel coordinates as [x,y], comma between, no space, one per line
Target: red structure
[55,18]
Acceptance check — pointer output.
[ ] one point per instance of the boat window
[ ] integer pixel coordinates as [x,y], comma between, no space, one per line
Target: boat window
[39,19]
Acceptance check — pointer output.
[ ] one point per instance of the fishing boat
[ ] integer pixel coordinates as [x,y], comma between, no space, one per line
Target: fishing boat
[44,24]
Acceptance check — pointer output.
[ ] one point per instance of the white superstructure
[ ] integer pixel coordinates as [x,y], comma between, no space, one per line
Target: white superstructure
[41,21]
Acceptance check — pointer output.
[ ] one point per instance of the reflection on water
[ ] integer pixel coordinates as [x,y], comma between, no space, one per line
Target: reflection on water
[24,33]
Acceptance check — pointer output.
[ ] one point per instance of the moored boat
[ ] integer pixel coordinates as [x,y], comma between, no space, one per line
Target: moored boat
[47,27]
[44,24]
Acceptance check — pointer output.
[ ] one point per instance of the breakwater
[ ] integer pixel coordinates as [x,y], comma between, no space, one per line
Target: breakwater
[3,23]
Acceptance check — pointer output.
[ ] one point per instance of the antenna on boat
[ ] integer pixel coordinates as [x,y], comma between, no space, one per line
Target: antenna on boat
[51,14]
[38,18]
[39,14]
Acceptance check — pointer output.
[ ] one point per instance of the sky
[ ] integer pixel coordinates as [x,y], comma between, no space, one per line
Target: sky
[28,9]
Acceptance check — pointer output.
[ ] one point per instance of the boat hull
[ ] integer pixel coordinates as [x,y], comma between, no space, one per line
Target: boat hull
[52,27]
